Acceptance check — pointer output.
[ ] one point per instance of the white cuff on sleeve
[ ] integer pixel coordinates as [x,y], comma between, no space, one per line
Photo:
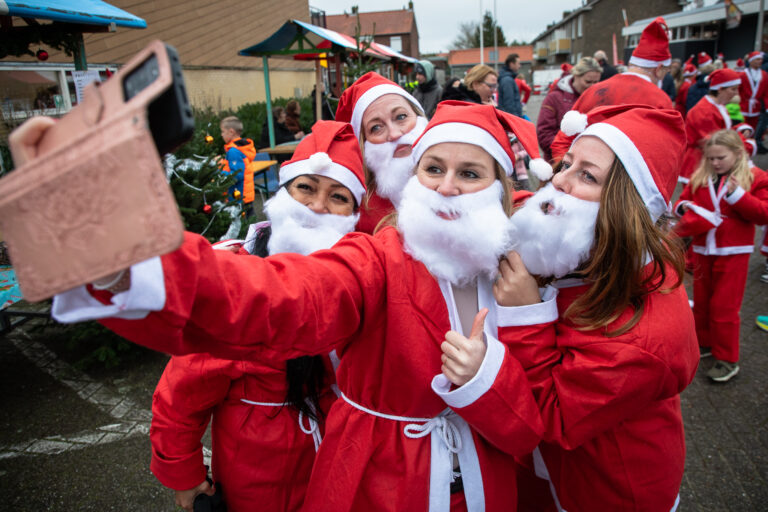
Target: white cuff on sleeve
[734,196]
[480,383]
[532,314]
[679,208]
[147,293]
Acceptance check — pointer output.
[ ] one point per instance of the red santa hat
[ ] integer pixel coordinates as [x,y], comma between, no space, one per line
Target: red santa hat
[364,91]
[689,70]
[739,63]
[566,67]
[720,78]
[649,142]
[653,48]
[703,59]
[331,150]
[754,55]
[741,127]
[487,127]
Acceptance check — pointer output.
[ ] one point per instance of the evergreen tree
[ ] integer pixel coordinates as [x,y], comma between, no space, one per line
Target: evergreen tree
[469,34]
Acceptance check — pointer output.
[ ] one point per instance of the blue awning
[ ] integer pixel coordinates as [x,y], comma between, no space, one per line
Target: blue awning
[89,12]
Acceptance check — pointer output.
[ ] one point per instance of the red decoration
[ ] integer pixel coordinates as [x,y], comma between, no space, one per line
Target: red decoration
[108,72]
[207,208]
[42,55]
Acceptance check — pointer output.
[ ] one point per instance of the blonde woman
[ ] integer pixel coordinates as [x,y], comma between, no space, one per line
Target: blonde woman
[561,99]
[735,197]
[480,83]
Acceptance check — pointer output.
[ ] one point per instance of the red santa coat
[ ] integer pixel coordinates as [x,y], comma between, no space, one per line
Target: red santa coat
[754,95]
[705,118]
[374,208]
[740,212]
[613,437]
[386,445]
[625,88]
[261,455]
[682,96]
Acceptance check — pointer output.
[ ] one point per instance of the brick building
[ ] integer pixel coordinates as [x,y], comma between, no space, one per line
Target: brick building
[396,29]
[207,34]
[592,27]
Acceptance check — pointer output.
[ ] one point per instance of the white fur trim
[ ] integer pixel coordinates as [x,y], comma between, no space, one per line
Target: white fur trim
[759,56]
[319,162]
[335,171]
[541,169]
[573,123]
[634,163]
[372,95]
[479,384]
[540,313]
[647,63]
[147,293]
[729,83]
[734,197]
[468,134]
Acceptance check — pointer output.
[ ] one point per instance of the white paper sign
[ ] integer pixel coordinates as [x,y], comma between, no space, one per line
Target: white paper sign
[83,78]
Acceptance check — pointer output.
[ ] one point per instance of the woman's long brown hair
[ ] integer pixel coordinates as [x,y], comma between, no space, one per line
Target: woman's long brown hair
[626,240]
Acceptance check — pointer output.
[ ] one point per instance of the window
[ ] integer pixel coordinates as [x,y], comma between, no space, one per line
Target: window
[579,25]
[396,43]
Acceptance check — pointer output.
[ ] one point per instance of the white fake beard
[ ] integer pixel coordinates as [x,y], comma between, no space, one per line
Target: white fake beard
[392,173]
[457,250]
[557,242]
[297,229]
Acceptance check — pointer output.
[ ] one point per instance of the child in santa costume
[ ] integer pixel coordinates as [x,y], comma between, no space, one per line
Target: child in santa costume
[420,362]
[753,89]
[734,197]
[611,343]
[387,120]
[708,116]
[639,85]
[267,416]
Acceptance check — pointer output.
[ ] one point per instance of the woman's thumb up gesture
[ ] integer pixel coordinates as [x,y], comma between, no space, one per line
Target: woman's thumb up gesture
[463,356]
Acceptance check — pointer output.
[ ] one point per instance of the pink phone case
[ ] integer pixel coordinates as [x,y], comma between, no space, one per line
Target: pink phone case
[95,200]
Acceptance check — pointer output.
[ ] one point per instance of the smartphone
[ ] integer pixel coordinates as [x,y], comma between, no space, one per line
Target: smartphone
[170,116]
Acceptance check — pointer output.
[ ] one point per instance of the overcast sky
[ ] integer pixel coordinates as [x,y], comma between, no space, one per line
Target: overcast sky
[438,20]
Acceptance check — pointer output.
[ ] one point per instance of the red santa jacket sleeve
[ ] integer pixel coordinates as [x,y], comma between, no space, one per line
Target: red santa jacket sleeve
[560,145]
[752,205]
[237,308]
[585,383]
[188,392]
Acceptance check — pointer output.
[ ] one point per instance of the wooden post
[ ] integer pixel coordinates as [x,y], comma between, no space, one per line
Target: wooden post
[318,94]
[270,118]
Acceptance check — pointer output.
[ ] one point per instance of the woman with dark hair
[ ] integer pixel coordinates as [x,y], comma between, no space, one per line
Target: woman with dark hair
[610,344]
[292,117]
[282,133]
[267,416]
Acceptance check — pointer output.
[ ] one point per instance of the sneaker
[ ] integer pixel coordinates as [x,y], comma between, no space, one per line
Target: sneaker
[705,352]
[723,371]
[762,322]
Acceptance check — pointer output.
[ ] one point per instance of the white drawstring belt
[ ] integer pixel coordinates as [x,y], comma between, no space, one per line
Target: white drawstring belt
[449,433]
[313,429]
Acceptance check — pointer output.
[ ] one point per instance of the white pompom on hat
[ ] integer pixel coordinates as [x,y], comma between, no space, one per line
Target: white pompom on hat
[573,123]
[331,150]
[487,127]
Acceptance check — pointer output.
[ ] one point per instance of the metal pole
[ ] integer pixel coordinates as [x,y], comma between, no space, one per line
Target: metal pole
[482,55]
[270,119]
[759,34]
[495,40]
